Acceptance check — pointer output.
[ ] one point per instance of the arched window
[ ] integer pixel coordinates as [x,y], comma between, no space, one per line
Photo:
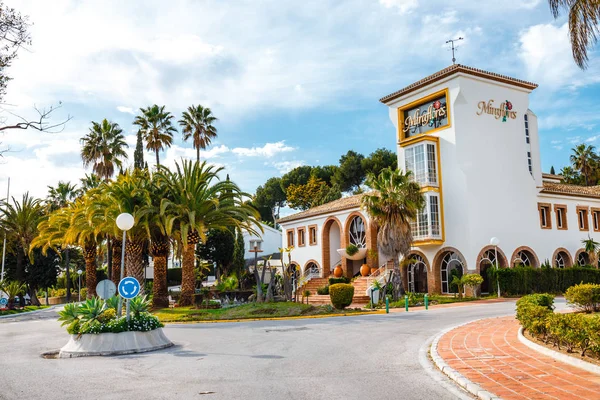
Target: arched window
[583,258]
[488,260]
[312,268]
[417,274]
[452,266]
[523,258]
[560,261]
[357,232]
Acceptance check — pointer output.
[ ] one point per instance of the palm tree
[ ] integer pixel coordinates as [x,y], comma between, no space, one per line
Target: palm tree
[583,159]
[20,221]
[194,203]
[89,181]
[584,17]
[394,205]
[61,195]
[104,148]
[570,175]
[592,248]
[156,127]
[197,122]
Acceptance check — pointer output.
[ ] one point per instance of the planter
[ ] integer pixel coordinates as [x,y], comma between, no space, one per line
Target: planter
[111,344]
[59,300]
[365,270]
[338,272]
[360,254]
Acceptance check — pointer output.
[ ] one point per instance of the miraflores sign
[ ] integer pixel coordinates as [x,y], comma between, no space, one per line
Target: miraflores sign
[504,111]
[424,115]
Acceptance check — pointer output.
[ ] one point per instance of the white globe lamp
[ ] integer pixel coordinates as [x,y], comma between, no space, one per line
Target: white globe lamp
[125,221]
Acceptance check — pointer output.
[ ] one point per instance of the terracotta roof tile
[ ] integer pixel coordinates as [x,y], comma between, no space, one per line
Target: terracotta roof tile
[571,190]
[337,205]
[454,69]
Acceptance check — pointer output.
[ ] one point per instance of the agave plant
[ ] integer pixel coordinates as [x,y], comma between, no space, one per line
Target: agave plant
[112,302]
[139,305]
[13,289]
[91,309]
[69,314]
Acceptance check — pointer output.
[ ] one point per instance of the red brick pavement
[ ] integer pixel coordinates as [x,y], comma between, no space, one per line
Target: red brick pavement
[488,353]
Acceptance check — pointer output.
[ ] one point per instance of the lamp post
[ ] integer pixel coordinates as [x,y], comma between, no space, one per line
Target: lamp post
[259,293]
[79,272]
[124,222]
[495,242]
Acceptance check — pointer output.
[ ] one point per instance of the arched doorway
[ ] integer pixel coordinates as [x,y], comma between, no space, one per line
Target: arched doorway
[561,259]
[452,265]
[486,261]
[525,257]
[417,274]
[332,240]
[312,269]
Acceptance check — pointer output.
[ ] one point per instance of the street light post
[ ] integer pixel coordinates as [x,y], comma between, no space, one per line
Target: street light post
[256,250]
[495,242]
[79,272]
[124,222]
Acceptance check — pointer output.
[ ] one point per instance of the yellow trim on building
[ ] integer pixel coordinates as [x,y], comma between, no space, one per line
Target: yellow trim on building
[402,140]
[433,242]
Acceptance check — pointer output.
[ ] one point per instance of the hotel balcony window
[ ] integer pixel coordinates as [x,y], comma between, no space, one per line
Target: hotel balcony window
[312,235]
[561,216]
[427,224]
[582,216]
[301,237]
[596,219]
[421,160]
[545,221]
[290,238]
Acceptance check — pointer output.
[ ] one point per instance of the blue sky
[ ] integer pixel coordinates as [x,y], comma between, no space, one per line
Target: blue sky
[292,82]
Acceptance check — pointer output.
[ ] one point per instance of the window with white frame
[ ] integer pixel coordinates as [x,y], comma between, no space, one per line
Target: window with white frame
[421,160]
[427,224]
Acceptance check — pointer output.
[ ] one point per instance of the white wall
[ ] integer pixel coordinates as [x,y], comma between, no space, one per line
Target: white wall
[271,241]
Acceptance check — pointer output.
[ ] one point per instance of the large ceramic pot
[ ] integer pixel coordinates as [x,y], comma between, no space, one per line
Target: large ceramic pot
[359,255]
[365,270]
[338,272]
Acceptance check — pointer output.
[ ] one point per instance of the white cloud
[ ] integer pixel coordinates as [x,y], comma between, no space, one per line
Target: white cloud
[268,150]
[403,6]
[286,166]
[127,110]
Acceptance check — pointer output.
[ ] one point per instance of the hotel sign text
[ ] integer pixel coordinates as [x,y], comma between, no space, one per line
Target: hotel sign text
[427,116]
[504,110]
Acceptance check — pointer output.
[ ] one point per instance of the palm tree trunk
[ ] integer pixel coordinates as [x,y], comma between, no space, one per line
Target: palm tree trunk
[20,273]
[198,154]
[188,277]
[33,296]
[134,261]
[109,263]
[397,280]
[160,293]
[157,160]
[116,261]
[89,254]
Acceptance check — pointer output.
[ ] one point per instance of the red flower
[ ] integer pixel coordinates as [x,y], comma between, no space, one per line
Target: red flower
[437,105]
[509,105]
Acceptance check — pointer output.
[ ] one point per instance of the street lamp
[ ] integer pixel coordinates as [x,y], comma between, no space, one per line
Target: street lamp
[257,250]
[79,272]
[124,222]
[495,242]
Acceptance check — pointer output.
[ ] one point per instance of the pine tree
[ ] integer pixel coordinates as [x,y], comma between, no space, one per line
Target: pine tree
[239,262]
[138,155]
[552,170]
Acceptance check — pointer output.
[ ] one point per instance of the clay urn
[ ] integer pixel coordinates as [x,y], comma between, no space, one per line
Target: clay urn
[338,272]
[365,270]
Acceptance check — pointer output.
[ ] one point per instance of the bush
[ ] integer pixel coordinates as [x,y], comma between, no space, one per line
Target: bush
[323,290]
[532,312]
[341,295]
[527,280]
[351,249]
[585,296]
[107,315]
[57,292]
[341,279]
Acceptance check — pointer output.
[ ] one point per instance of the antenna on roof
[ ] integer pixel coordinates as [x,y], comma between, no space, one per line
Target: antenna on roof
[453,48]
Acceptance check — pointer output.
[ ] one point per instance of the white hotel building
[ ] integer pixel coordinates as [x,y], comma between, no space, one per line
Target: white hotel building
[471,141]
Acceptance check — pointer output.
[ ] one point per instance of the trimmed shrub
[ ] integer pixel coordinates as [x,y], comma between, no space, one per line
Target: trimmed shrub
[527,280]
[341,295]
[585,296]
[323,290]
[341,279]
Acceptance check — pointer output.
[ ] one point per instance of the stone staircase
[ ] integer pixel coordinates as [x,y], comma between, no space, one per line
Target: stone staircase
[360,287]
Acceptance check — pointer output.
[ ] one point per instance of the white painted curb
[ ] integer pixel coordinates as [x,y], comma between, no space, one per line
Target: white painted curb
[469,386]
[112,344]
[559,356]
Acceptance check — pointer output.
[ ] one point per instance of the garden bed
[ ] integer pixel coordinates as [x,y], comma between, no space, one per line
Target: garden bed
[21,310]
[589,357]
[249,311]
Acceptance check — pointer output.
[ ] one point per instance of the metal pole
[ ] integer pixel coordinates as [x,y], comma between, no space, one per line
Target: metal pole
[127,312]
[120,307]
[497,275]
[79,289]
[4,246]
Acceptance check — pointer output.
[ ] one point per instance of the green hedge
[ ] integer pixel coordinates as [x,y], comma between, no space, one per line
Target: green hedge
[341,279]
[572,331]
[323,290]
[341,295]
[527,280]
[174,276]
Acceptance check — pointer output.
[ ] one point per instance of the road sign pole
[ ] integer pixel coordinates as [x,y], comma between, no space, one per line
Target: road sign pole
[127,312]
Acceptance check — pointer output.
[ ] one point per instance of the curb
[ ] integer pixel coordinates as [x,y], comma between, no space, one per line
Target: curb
[575,362]
[465,383]
[274,318]
[30,312]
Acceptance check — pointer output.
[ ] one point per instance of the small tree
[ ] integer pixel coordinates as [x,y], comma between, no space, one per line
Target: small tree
[473,281]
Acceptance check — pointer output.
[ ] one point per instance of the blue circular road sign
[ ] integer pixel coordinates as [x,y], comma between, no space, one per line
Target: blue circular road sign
[129,287]
[3,301]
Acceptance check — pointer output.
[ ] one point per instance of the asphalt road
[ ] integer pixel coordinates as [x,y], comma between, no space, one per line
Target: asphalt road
[363,357]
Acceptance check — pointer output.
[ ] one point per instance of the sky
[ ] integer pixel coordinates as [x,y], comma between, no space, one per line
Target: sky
[292,82]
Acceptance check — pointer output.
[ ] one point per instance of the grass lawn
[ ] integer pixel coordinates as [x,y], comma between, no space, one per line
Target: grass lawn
[247,311]
[19,311]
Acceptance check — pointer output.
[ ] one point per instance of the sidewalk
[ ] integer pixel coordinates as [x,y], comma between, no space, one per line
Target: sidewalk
[489,354]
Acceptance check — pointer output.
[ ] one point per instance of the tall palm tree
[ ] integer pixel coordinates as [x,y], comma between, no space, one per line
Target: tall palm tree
[104,148]
[20,221]
[592,248]
[584,159]
[61,195]
[584,17]
[197,122]
[392,207]
[156,127]
[195,202]
[89,181]
[570,175]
